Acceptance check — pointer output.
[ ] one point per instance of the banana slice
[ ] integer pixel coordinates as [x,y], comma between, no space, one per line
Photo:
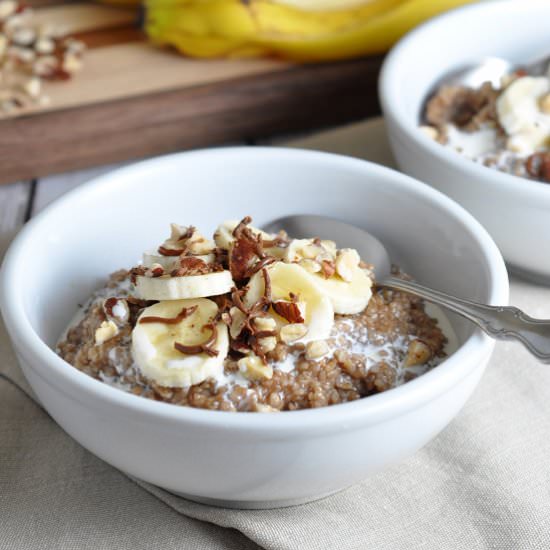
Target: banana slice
[170,262]
[520,115]
[349,288]
[347,297]
[188,323]
[184,287]
[314,308]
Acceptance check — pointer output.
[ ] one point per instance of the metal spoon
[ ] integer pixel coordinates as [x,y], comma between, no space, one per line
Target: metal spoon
[500,322]
[490,69]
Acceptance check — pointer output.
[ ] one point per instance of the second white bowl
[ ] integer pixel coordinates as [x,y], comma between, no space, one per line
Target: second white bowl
[516,211]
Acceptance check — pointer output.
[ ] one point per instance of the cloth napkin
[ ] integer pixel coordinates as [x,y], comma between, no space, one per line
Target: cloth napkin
[484,482]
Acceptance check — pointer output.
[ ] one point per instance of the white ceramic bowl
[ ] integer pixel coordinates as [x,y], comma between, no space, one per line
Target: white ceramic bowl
[240,459]
[514,210]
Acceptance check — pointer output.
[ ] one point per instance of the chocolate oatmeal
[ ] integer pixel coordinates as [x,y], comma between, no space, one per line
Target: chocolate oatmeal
[505,128]
[251,322]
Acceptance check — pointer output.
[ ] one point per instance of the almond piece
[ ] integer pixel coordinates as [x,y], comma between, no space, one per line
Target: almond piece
[347,261]
[71,63]
[44,46]
[544,103]
[23,36]
[293,312]
[32,87]
[311,266]
[265,323]
[254,369]
[238,319]
[418,353]
[7,8]
[316,349]
[3,44]
[292,332]
[430,132]
[267,343]
[105,331]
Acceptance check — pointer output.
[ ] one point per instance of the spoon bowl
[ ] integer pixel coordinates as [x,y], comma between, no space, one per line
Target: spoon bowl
[343,234]
[500,322]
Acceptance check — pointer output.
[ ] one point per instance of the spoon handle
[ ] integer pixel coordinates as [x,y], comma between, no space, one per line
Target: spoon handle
[500,322]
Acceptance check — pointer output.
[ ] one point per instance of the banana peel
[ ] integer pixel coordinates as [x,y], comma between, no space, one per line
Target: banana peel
[253,28]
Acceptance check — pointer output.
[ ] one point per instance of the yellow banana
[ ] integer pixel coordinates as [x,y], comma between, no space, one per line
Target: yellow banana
[292,29]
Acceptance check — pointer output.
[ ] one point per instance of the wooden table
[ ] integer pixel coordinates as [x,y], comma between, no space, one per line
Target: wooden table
[22,200]
[133,100]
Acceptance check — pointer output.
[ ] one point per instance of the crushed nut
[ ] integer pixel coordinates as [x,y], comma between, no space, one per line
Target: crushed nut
[266,326]
[254,368]
[45,66]
[538,165]
[71,63]
[105,331]
[311,251]
[7,8]
[347,261]
[23,36]
[544,104]
[30,52]
[311,266]
[238,322]
[330,247]
[293,312]
[267,344]
[328,268]
[292,332]
[3,45]
[418,353]
[44,46]
[316,349]
[430,132]
[22,55]
[260,407]
[116,310]
[265,323]
[32,87]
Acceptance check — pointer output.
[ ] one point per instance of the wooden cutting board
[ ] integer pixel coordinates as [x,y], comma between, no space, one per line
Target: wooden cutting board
[133,100]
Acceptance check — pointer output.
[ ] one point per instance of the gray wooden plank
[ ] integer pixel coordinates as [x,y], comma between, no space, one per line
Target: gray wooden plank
[14,205]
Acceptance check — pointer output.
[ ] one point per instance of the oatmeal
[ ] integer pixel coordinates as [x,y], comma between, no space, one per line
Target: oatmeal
[507,129]
[251,322]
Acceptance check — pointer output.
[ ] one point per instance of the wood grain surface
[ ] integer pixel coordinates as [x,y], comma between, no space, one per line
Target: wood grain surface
[133,100]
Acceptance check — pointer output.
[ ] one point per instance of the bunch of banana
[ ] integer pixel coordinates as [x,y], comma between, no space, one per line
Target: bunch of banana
[302,30]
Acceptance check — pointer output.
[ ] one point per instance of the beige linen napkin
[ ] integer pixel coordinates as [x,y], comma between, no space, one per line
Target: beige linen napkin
[483,483]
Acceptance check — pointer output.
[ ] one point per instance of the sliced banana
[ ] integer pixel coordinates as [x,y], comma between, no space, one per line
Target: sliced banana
[287,279]
[170,262]
[347,297]
[520,115]
[186,287]
[153,343]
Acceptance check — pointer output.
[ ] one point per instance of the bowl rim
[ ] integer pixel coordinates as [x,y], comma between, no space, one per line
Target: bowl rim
[388,91]
[44,362]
